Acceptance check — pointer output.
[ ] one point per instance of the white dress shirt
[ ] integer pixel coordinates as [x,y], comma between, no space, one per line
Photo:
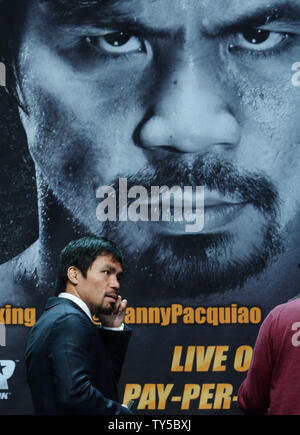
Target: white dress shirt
[86,309]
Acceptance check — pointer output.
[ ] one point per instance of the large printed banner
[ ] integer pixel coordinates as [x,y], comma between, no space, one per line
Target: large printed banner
[172,128]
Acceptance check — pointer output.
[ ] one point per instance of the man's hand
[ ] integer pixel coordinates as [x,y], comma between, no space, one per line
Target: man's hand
[116,318]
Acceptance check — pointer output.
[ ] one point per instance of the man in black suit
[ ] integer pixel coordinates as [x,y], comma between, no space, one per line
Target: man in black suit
[72,365]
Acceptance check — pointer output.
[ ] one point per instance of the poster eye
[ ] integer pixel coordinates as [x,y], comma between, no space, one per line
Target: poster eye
[258,39]
[117,42]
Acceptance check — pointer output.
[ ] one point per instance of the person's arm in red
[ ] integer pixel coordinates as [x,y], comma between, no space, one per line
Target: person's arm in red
[254,393]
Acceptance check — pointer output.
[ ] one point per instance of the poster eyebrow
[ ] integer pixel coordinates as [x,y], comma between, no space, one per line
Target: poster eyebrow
[114,14]
[101,13]
[289,12]
[66,11]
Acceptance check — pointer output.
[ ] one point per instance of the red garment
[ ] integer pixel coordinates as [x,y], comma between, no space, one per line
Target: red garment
[273,379]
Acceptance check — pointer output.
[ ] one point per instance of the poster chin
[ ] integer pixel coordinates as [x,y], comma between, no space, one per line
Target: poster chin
[171,128]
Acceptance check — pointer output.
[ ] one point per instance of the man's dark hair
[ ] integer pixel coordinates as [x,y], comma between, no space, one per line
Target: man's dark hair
[82,253]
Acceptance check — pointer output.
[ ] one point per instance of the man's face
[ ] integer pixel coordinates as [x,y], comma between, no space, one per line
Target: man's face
[99,289]
[171,92]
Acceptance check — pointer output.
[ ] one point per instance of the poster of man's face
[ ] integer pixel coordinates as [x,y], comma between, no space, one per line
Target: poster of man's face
[172,128]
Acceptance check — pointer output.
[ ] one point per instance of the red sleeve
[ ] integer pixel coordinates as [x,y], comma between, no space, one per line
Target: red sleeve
[254,393]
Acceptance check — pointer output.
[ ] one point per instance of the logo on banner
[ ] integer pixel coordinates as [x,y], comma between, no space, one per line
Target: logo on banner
[7,368]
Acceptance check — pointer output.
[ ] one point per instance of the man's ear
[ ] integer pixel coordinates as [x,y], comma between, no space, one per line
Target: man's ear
[73,275]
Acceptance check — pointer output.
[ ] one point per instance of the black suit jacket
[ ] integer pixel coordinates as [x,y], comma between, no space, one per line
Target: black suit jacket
[72,365]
